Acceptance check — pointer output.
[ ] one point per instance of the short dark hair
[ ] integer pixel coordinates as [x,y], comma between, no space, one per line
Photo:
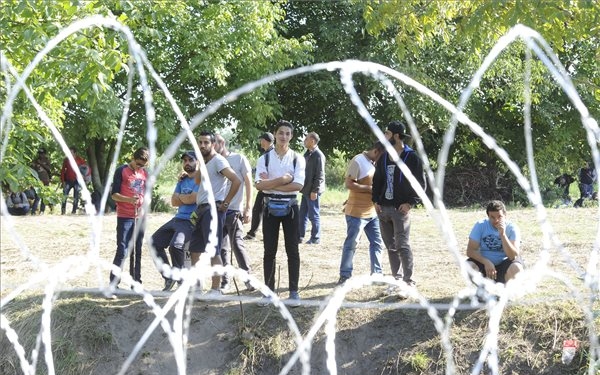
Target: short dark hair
[377,145]
[211,135]
[281,123]
[141,154]
[495,206]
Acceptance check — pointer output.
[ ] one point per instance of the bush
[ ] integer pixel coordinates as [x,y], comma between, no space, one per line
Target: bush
[335,169]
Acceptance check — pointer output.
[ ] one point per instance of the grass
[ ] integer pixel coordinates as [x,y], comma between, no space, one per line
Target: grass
[92,335]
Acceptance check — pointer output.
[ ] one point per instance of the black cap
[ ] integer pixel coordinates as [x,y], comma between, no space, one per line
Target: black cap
[396,127]
[267,137]
[190,154]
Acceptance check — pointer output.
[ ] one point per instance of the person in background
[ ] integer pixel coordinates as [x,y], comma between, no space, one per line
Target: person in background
[68,179]
[314,186]
[280,176]
[219,171]
[129,186]
[238,213]
[17,204]
[176,233]
[41,165]
[360,212]
[494,246]
[266,144]
[394,197]
[33,198]
[587,178]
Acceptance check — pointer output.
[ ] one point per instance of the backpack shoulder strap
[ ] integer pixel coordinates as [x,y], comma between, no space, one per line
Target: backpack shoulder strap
[267,160]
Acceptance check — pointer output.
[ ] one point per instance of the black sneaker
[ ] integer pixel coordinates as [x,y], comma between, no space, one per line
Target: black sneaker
[342,280]
[249,237]
[169,283]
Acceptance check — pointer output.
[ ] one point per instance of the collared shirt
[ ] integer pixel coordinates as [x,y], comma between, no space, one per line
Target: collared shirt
[279,166]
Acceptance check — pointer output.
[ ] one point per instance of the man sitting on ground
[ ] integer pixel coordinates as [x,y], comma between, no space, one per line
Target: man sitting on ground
[494,245]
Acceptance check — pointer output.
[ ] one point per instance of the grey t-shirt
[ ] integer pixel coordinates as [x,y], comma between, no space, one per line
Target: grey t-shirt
[241,167]
[218,182]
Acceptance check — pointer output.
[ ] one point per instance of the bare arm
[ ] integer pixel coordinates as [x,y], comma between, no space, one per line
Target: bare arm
[247,214]
[235,185]
[351,184]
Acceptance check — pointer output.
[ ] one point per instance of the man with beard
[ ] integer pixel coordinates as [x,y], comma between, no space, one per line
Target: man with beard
[176,233]
[394,197]
[219,171]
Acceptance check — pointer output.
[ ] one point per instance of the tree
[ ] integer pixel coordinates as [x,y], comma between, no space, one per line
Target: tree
[200,49]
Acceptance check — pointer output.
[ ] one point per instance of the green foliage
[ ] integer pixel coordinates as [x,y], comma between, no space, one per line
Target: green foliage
[335,169]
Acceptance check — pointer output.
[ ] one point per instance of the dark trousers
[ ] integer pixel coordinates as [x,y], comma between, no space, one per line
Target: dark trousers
[257,210]
[233,241]
[174,234]
[127,230]
[271,238]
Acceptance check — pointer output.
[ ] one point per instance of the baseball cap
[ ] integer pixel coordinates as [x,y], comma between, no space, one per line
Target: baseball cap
[190,154]
[267,137]
[396,127]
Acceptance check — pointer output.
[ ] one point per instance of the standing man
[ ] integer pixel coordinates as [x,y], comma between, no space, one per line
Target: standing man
[129,185]
[68,179]
[494,245]
[314,185]
[43,169]
[587,177]
[360,212]
[280,176]
[394,196]
[219,172]
[266,144]
[238,213]
[176,233]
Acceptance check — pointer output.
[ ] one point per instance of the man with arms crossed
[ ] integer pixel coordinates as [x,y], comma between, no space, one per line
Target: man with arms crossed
[176,233]
[360,212]
[280,176]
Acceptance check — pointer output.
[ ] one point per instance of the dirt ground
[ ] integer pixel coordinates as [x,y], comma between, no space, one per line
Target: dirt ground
[371,330]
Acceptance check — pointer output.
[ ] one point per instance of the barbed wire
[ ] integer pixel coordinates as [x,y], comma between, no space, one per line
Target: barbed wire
[482,293]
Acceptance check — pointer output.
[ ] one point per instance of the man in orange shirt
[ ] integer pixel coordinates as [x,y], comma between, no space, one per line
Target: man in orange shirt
[360,211]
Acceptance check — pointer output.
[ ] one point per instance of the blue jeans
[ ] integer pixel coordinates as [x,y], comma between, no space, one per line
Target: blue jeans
[309,210]
[395,231]
[127,228]
[66,190]
[354,227]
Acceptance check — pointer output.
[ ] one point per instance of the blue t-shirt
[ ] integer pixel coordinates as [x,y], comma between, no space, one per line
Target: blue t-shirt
[186,186]
[490,245]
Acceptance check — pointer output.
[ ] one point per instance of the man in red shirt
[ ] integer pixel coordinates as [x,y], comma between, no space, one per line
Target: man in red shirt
[129,185]
[68,179]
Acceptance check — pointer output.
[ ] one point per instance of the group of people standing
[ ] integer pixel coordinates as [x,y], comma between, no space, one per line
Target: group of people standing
[279,177]
[380,199]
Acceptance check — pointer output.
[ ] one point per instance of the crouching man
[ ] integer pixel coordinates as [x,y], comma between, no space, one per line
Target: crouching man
[494,245]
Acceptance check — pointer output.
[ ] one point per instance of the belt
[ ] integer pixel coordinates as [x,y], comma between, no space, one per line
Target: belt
[281,196]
